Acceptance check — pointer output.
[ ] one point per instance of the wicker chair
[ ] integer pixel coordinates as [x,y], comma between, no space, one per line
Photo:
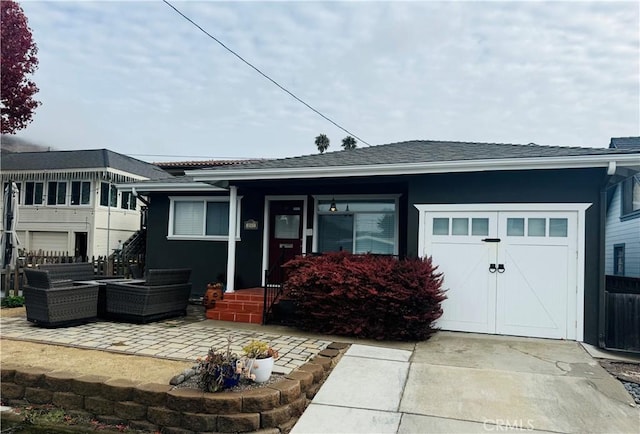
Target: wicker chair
[55,303]
[164,294]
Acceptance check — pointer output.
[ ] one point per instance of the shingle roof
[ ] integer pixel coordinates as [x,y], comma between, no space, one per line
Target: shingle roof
[83,159]
[631,143]
[425,151]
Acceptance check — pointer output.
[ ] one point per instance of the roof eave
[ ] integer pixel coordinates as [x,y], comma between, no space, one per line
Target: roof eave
[168,186]
[573,162]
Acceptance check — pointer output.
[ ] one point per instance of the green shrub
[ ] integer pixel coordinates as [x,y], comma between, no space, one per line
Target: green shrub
[368,296]
[12,301]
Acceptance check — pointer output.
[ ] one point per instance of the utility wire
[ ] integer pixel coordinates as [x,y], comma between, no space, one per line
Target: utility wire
[263,74]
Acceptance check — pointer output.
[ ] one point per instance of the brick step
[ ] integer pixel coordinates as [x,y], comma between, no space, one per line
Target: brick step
[231,315]
[237,296]
[240,306]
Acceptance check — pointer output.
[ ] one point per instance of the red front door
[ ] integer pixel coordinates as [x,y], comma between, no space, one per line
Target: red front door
[285,235]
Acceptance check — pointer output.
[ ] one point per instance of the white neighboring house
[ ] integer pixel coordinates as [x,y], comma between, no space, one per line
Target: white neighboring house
[622,255]
[69,202]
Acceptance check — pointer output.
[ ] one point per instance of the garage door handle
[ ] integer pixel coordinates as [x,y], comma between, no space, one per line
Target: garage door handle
[491,240]
[501,268]
[492,268]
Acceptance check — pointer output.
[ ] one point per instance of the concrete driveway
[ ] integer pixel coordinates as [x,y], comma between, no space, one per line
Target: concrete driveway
[460,382]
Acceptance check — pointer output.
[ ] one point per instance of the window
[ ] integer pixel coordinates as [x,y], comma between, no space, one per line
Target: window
[108,196]
[80,192]
[33,193]
[631,195]
[618,259]
[57,193]
[201,218]
[128,200]
[358,226]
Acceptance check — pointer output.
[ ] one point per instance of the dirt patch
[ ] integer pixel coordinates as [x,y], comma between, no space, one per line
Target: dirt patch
[624,371]
[10,312]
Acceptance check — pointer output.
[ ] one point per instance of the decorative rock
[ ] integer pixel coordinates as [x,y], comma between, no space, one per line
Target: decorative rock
[177,380]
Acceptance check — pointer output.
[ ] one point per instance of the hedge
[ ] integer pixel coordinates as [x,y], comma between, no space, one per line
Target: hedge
[368,296]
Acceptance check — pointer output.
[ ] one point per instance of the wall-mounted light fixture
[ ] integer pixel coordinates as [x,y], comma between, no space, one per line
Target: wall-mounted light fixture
[333,207]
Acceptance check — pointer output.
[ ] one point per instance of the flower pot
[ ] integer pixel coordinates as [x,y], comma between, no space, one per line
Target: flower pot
[213,293]
[261,368]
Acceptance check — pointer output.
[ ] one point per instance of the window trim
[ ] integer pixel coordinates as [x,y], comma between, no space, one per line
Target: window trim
[616,271]
[626,195]
[66,195]
[129,195]
[370,197]
[80,181]
[42,193]
[112,188]
[204,199]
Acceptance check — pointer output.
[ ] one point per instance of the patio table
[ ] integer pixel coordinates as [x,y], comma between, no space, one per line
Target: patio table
[102,291]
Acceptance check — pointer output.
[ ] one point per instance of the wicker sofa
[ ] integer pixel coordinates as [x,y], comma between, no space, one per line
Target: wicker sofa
[163,294]
[53,302]
[69,271]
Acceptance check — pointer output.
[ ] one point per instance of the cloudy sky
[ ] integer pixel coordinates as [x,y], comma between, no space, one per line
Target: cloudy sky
[137,78]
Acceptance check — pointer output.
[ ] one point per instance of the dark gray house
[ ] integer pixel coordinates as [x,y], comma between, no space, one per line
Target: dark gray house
[518,230]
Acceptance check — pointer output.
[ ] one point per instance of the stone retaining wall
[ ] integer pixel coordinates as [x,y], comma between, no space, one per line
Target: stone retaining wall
[155,407]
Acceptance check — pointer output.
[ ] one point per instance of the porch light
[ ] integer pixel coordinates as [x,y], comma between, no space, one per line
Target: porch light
[333,207]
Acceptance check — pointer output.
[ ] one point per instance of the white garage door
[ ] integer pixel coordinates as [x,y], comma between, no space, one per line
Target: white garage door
[49,241]
[511,272]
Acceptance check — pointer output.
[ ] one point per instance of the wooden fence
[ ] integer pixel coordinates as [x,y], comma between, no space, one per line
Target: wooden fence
[113,265]
[623,313]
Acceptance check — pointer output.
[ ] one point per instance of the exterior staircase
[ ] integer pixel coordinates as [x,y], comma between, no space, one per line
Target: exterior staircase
[243,305]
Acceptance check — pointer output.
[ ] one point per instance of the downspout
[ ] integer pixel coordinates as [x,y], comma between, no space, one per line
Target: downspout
[602,311]
[231,250]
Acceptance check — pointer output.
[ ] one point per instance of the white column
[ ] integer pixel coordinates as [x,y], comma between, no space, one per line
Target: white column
[231,249]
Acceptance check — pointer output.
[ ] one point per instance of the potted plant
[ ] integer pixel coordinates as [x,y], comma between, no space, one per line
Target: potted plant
[260,360]
[220,370]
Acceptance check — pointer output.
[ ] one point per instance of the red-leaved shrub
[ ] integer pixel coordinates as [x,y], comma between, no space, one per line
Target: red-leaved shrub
[368,296]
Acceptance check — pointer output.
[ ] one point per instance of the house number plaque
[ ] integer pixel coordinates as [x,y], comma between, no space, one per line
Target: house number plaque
[251,225]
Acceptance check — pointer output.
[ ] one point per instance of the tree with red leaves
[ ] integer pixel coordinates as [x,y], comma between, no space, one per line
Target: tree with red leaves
[17,60]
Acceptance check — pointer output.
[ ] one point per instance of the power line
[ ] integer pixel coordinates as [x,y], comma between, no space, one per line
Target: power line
[263,74]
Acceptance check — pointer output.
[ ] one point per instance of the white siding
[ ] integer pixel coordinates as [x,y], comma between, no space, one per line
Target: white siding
[622,232]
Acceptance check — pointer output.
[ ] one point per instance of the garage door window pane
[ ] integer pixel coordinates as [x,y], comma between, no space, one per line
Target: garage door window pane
[440,226]
[537,227]
[460,226]
[480,227]
[557,227]
[515,227]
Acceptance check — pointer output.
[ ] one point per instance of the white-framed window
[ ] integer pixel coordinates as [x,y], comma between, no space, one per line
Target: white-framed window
[108,195]
[631,196]
[57,193]
[80,192]
[359,224]
[201,218]
[128,200]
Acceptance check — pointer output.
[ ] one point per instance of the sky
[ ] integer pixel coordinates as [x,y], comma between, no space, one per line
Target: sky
[137,78]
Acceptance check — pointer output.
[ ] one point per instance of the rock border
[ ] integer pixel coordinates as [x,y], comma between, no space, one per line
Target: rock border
[272,409]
